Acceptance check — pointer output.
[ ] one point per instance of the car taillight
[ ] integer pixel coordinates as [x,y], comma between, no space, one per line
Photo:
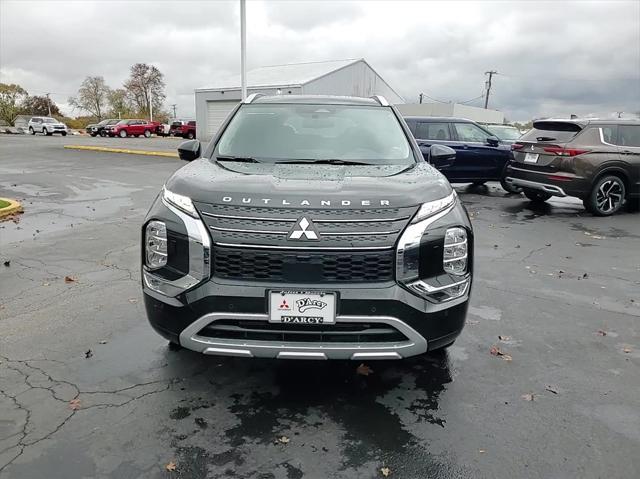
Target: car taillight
[517,146]
[559,151]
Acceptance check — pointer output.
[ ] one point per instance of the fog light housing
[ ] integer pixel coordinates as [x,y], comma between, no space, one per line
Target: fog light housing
[454,258]
[155,244]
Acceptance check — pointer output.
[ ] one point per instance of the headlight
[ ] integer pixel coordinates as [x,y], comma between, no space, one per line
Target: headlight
[454,255]
[181,202]
[454,258]
[156,244]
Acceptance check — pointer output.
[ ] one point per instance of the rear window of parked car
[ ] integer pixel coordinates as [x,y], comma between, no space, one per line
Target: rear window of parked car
[547,131]
[432,131]
[629,135]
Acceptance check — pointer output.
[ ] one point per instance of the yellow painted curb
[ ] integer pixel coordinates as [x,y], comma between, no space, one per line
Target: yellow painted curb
[107,149]
[14,207]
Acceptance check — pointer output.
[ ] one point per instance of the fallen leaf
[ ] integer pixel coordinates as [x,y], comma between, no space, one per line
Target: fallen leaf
[364,370]
[495,351]
[585,276]
[69,279]
[283,440]
[601,332]
[482,451]
[386,472]
[504,338]
[626,350]
[528,397]
[551,389]
[171,466]
[74,404]
[103,341]
[7,263]
[88,354]
[133,300]
[45,284]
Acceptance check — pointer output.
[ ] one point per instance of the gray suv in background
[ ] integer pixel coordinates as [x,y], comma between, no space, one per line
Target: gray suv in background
[47,126]
[597,161]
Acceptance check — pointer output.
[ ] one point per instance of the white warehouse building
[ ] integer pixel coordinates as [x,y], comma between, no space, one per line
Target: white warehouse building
[340,77]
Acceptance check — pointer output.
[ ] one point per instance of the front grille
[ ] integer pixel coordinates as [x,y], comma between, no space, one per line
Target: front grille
[374,228]
[303,267]
[342,332]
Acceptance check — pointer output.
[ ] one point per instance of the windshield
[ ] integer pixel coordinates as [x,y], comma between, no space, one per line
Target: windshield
[49,120]
[303,132]
[104,122]
[123,122]
[176,123]
[504,132]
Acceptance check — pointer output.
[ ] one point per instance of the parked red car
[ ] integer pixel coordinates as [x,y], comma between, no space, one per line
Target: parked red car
[185,129]
[126,128]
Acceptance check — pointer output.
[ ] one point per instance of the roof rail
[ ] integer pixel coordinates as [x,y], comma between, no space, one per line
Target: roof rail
[252,97]
[380,99]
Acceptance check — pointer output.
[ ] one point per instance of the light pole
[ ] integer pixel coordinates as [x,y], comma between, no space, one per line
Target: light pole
[243,48]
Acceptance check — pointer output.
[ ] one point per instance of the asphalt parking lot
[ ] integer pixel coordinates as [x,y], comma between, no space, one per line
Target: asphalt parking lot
[88,390]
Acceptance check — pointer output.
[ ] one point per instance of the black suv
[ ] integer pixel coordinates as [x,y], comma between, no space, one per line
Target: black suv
[597,161]
[309,228]
[480,155]
[99,128]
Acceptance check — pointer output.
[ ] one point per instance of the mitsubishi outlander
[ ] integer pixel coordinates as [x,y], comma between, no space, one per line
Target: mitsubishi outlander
[310,227]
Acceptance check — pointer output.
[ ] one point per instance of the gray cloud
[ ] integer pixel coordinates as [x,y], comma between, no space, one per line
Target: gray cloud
[555,58]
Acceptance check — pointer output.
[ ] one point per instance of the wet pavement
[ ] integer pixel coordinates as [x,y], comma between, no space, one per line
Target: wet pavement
[88,390]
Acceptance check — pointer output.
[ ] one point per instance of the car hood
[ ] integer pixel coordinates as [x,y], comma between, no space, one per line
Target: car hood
[208,181]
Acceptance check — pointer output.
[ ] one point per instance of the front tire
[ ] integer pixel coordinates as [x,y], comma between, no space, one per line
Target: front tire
[123,134]
[190,135]
[147,133]
[32,131]
[607,196]
[64,133]
[536,196]
[45,132]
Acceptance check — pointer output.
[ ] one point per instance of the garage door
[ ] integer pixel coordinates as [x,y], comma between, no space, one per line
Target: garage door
[217,112]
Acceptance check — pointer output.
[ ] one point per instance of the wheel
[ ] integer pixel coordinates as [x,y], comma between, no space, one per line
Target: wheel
[123,134]
[64,133]
[94,134]
[31,132]
[478,183]
[607,196]
[45,132]
[536,196]
[509,188]
[147,133]
[190,135]
[103,134]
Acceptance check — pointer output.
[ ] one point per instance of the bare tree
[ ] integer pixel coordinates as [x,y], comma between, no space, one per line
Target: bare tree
[145,83]
[10,99]
[92,96]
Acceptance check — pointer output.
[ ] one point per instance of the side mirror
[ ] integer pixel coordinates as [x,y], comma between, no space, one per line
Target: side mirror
[441,156]
[189,150]
[493,141]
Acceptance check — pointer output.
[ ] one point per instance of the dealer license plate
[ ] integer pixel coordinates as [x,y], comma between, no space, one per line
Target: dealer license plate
[304,307]
[530,157]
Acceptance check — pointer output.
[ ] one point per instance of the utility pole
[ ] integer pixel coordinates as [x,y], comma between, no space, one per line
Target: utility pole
[174,110]
[150,105]
[49,103]
[243,48]
[488,86]
[420,96]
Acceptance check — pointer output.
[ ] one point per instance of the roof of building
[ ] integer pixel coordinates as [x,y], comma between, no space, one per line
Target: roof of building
[317,100]
[293,74]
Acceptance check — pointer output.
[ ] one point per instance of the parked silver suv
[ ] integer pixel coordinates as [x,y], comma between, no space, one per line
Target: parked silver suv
[47,126]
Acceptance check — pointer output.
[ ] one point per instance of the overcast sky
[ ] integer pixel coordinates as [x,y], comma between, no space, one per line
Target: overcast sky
[554,58]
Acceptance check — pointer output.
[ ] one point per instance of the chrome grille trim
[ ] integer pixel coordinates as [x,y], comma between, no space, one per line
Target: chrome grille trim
[307,248]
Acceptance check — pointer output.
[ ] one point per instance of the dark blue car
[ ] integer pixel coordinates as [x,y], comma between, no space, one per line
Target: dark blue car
[480,155]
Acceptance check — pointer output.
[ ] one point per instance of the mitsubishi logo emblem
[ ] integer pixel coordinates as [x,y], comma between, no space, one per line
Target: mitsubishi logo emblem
[304,230]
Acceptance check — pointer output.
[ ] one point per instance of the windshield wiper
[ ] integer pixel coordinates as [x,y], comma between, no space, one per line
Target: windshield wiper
[245,159]
[323,161]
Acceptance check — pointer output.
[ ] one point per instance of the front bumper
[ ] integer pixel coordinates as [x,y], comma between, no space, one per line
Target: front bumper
[422,326]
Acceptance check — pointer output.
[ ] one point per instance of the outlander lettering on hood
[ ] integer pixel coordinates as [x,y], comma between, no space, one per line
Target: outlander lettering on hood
[337,241]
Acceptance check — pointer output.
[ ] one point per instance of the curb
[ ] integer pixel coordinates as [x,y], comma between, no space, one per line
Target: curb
[14,207]
[106,149]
